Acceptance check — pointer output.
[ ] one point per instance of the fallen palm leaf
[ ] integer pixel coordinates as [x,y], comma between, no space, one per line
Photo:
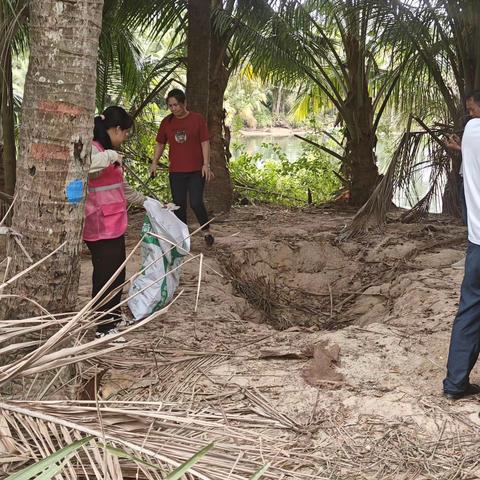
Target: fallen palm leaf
[401,175]
[157,433]
[179,471]
[48,466]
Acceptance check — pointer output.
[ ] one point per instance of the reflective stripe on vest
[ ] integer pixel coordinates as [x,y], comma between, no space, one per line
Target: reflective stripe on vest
[105,187]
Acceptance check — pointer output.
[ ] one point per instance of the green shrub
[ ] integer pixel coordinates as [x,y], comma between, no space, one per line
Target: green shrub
[281,180]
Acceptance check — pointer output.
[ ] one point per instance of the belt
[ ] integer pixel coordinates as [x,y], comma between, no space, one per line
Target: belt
[105,187]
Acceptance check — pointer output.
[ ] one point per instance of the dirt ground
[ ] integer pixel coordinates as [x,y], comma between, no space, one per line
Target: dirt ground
[342,345]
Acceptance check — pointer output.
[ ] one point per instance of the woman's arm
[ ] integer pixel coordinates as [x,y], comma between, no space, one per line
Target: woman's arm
[206,171]
[157,153]
[101,160]
[133,196]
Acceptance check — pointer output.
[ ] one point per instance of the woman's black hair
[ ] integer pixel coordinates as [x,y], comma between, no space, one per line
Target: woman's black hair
[177,94]
[112,117]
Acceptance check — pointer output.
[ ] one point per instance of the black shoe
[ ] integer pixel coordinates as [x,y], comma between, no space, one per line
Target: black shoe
[472,389]
[209,239]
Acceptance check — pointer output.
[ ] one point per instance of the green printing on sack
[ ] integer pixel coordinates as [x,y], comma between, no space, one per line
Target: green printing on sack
[175,256]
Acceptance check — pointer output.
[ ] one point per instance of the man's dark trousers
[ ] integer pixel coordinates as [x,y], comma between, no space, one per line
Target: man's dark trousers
[465,339]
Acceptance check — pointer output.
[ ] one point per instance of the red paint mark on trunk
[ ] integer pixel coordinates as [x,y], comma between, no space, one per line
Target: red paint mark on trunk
[61,107]
[48,151]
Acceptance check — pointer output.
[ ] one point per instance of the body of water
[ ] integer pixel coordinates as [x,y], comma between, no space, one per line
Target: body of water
[251,144]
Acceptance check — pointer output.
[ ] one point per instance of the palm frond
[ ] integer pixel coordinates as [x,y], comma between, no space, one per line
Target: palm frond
[151,433]
[416,150]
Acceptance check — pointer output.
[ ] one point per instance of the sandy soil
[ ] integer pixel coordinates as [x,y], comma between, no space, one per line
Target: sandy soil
[343,344]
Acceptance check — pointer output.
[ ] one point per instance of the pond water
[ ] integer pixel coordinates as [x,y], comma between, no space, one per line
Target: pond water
[292,147]
[251,144]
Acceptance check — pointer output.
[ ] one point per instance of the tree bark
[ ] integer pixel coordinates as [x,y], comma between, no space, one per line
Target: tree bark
[8,122]
[54,151]
[360,162]
[3,27]
[360,159]
[451,198]
[198,55]
[2,175]
[218,194]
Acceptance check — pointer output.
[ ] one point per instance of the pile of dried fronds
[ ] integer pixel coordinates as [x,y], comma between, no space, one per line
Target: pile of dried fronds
[144,436]
[149,433]
[416,151]
[280,307]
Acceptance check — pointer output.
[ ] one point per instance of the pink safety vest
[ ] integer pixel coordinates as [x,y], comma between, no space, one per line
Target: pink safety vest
[106,206]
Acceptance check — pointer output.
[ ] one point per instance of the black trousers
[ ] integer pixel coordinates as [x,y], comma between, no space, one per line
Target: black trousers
[107,256]
[191,183]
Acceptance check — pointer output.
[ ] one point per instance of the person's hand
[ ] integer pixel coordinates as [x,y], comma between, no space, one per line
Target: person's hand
[118,160]
[207,173]
[453,142]
[153,169]
[171,206]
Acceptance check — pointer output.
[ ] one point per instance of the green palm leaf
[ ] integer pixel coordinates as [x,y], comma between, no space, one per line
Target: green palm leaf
[48,467]
[258,474]
[179,471]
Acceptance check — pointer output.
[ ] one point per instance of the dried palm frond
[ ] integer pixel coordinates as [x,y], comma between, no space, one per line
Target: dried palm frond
[59,340]
[156,433]
[156,371]
[416,151]
[65,347]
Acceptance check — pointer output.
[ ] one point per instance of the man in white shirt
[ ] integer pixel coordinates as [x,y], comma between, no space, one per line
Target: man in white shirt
[465,338]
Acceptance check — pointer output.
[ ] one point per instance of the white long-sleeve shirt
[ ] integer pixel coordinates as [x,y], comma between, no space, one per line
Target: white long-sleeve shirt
[471,177]
[101,160]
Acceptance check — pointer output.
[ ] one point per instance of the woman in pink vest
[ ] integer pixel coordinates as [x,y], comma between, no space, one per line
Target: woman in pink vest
[106,211]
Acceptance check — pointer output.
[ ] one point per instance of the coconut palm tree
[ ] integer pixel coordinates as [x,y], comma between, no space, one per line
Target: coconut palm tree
[333,49]
[122,72]
[54,150]
[237,32]
[446,66]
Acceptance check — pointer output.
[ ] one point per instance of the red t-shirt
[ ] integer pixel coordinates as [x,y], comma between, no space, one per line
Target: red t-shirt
[184,136]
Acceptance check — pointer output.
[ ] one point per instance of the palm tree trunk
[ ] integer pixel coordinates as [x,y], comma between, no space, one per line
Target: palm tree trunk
[198,55]
[54,151]
[360,161]
[8,122]
[218,194]
[2,175]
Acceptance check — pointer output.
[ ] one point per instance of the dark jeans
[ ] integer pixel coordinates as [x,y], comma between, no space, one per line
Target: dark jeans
[107,256]
[191,183]
[465,339]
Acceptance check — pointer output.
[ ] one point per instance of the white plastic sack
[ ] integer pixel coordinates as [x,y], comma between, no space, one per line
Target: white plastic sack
[155,286]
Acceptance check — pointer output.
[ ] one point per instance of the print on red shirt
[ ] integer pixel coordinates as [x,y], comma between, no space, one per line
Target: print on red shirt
[181,136]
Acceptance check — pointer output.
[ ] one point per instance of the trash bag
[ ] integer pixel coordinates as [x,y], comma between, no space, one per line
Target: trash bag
[157,282]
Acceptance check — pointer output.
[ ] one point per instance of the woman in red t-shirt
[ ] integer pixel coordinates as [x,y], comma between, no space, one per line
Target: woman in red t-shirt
[189,158]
